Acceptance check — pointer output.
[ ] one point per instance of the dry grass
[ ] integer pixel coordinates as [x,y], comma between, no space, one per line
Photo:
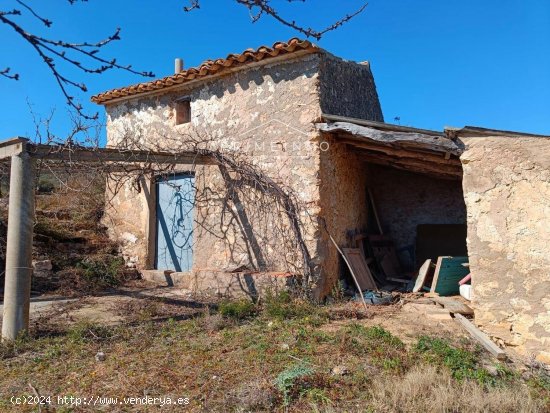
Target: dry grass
[278,359]
[426,388]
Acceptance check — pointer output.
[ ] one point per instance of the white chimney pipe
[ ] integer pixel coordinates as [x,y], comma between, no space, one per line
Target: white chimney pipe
[178,65]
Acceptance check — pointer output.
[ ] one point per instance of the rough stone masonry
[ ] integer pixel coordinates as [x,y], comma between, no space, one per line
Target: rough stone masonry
[267,114]
[507,192]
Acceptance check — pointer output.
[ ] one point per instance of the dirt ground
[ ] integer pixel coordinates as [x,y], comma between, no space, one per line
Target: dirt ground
[409,317]
[136,302]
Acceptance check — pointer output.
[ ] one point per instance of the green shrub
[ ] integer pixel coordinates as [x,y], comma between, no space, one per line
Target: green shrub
[46,183]
[287,379]
[237,310]
[283,306]
[104,271]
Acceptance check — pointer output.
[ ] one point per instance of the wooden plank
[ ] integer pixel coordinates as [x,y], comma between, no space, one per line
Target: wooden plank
[422,274]
[481,337]
[454,306]
[360,268]
[449,271]
[351,270]
[436,273]
[400,139]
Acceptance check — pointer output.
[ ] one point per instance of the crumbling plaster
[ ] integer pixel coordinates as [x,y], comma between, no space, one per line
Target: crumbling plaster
[507,192]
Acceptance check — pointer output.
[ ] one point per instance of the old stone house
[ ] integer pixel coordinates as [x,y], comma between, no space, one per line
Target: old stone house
[312,124]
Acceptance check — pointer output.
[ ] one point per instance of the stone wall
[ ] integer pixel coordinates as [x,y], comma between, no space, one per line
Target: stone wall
[405,200]
[343,182]
[507,192]
[262,115]
[266,115]
[348,89]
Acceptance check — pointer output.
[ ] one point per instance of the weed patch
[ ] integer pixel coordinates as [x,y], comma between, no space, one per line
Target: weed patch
[384,349]
[102,271]
[462,364]
[285,307]
[237,310]
[88,332]
[290,381]
[264,365]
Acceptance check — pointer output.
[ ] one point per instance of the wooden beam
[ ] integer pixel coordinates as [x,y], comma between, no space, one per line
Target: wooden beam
[435,143]
[402,153]
[412,165]
[378,125]
[481,337]
[77,153]
[454,306]
[99,155]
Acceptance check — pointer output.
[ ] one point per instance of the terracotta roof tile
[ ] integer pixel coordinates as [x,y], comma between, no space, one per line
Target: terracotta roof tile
[208,68]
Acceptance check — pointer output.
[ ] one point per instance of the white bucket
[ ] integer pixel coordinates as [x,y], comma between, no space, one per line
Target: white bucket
[466,291]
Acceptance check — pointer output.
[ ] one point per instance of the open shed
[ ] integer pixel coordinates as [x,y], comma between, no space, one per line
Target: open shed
[467,191]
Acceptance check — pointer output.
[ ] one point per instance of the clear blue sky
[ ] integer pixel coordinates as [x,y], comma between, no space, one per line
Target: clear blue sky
[436,62]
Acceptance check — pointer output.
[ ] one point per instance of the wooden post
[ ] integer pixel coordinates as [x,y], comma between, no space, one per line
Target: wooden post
[17,289]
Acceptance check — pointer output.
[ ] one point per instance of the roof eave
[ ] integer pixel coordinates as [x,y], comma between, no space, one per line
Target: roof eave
[295,54]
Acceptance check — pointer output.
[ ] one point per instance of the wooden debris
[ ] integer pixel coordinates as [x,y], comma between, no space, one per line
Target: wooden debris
[422,274]
[358,265]
[360,242]
[351,270]
[453,305]
[383,250]
[431,311]
[481,337]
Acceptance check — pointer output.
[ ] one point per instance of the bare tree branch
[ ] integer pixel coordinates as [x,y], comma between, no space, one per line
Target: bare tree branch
[259,8]
[54,51]
[6,73]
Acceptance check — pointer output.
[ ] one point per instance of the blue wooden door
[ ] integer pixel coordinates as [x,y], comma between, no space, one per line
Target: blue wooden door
[175,200]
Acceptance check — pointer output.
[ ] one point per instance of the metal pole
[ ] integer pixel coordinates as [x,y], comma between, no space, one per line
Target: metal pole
[17,289]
